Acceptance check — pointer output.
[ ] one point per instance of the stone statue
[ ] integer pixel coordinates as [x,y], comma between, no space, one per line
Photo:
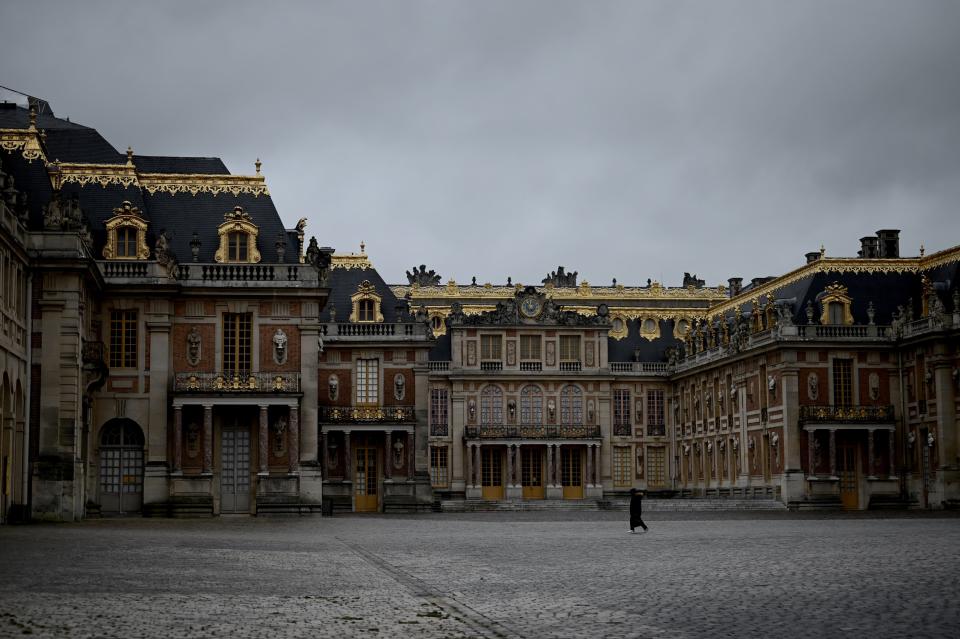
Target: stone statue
[399,386]
[280,346]
[423,277]
[692,280]
[639,461]
[873,383]
[333,387]
[163,254]
[193,346]
[398,454]
[279,440]
[560,278]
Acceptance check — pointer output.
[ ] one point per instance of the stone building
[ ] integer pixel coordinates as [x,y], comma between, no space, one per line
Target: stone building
[169,348]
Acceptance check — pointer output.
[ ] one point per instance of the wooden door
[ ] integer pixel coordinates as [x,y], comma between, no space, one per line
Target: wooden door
[366,480]
[234,470]
[571,472]
[847,472]
[491,472]
[531,472]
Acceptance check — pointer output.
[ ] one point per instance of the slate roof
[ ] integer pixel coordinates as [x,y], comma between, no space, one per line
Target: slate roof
[343,283]
[622,350]
[179,215]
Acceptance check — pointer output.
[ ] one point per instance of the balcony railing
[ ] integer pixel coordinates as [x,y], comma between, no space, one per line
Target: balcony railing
[656,430]
[205,275]
[497,431]
[366,414]
[645,368]
[439,366]
[491,366]
[570,367]
[236,382]
[531,366]
[349,331]
[846,414]
[439,430]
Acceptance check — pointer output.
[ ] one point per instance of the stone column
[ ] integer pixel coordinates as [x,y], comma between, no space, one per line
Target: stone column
[598,480]
[178,439]
[293,440]
[322,457]
[469,460]
[947,436]
[309,383]
[589,464]
[411,450]
[892,453]
[549,464]
[388,458]
[833,453]
[264,448]
[347,457]
[870,455]
[207,439]
[477,466]
[509,465]
[811,451]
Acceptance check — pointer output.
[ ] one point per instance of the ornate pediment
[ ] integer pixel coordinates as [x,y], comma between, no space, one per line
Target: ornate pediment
[528,306]
[126,216]
[237,221]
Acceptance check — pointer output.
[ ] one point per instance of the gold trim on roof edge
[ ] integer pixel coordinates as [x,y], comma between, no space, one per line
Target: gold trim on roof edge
[350,260]
[26,140]
[126,175]
[452,290]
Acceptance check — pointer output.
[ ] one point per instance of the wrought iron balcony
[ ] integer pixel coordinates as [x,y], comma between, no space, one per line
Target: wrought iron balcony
[542,431]
[846,414]
[236,383]
[366,414]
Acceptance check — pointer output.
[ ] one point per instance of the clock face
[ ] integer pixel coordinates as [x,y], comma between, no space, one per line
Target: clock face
[530,306]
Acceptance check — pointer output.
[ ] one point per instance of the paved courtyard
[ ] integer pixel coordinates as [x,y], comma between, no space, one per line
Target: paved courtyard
[485,575]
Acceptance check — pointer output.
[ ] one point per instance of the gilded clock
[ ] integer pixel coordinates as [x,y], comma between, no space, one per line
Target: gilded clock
[530,306]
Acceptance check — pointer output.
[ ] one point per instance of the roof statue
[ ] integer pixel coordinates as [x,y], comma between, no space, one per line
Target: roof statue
[561,278]
[423,277]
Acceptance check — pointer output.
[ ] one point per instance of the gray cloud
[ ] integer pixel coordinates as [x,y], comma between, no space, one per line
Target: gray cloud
[622,139]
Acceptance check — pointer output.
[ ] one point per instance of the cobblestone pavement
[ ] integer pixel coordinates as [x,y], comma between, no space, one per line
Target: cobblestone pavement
[484,575]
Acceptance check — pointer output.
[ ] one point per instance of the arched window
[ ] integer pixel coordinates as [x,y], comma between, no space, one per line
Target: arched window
[531,405]
[366,304]
[571,405]
[126,234]
[491,405]
[237,244]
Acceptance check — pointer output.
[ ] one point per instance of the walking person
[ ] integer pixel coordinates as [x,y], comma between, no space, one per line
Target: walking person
[636,510]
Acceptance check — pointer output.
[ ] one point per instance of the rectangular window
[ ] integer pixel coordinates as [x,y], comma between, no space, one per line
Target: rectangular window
[530,347]
[237,329]
[621,412]
[237,246]
[123,339]
[368,377]
[569,348]
[439,468]
[490,347]
[622,467]
[656,467]
[842,382]
[438,412]
[655,403]
[127,241]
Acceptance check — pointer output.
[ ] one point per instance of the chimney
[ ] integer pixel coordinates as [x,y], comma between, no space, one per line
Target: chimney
[889,241]
[736,283]
[870,247]
[812,256]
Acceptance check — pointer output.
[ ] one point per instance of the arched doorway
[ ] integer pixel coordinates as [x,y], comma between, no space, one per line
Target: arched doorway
[121,466]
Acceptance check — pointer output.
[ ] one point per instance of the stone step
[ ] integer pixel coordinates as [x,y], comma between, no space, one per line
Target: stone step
[649,505]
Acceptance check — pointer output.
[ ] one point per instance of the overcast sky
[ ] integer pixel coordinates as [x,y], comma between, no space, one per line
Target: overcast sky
[494,139]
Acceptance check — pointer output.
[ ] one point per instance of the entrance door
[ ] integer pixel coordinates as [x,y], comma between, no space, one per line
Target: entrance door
[531,472]
[656,467]
[365,480]
[235,470]
[571,472]
[847,472]
[121,467]
[491,472]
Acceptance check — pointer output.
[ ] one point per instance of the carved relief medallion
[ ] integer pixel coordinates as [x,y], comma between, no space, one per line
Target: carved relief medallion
[813,387]
[193,346]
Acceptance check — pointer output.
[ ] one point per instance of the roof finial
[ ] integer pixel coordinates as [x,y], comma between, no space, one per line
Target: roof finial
[363,247]
[129,156]
[33,117]
[922,249]
[257,164]
[823,251]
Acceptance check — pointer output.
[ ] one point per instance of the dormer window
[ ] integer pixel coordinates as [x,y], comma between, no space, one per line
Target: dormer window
[237,246]
[126,234]
[238,238]
[836,305]
[366,304]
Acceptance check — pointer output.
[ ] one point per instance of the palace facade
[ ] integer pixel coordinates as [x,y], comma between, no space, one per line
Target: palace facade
[168,347]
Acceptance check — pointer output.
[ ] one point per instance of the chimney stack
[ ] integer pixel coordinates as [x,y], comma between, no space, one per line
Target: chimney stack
[736,283]
[812,256]
[889,241]
[870,247]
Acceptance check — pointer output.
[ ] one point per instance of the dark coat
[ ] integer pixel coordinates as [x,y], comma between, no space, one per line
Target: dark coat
[636,506]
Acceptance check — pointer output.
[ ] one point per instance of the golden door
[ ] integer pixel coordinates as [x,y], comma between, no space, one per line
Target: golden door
[365,480]
[571,472]
[531,472]
[847,472]
[491,472]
